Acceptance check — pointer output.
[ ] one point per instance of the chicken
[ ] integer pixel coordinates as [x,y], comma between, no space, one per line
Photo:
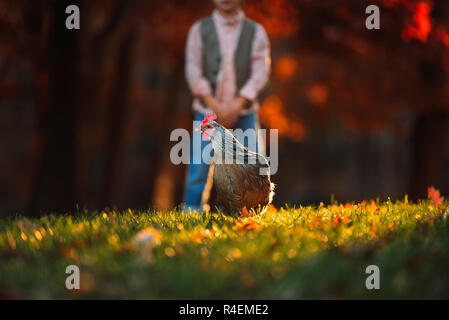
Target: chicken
[241,177]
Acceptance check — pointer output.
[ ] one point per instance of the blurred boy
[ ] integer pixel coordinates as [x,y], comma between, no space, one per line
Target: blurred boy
[227,64]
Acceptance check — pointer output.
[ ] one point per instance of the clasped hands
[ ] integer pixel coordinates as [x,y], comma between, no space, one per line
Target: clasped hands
[227,114]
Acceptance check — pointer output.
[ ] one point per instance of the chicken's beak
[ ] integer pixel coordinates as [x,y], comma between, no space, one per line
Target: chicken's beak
[197,129]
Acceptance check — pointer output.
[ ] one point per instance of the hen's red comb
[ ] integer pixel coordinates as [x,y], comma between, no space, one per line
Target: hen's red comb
[209,117]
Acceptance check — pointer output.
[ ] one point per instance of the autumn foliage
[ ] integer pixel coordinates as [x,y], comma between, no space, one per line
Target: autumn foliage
[86,116]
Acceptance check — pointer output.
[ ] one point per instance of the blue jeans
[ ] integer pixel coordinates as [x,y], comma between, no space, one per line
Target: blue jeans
[197,173]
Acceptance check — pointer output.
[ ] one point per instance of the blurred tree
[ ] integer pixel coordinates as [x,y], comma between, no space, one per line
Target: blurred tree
[106,97]
[55,182]
[372,80]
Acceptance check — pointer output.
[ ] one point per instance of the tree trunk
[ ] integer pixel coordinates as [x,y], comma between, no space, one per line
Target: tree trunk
[428,141]
[116,117]
[54,186]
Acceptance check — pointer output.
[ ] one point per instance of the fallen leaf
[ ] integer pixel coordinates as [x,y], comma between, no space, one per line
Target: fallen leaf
[150,237]
[434,194]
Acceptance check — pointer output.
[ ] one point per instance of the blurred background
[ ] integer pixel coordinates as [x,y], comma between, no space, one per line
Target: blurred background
[85,116]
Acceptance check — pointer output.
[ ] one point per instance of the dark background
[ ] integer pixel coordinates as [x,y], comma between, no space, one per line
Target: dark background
[85,116]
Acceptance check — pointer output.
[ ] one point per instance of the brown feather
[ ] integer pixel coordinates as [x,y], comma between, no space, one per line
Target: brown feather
[241,185]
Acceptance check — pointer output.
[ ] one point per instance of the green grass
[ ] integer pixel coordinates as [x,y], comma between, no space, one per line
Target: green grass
[288,253]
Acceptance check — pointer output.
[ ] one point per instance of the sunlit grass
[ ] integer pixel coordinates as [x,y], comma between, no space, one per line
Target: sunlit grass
[304,252]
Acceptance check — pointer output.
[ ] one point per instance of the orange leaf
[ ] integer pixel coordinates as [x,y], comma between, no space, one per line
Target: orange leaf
[200,236]
[434,194]
[336,221]
[244,212]
[251,226]
[346,219]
